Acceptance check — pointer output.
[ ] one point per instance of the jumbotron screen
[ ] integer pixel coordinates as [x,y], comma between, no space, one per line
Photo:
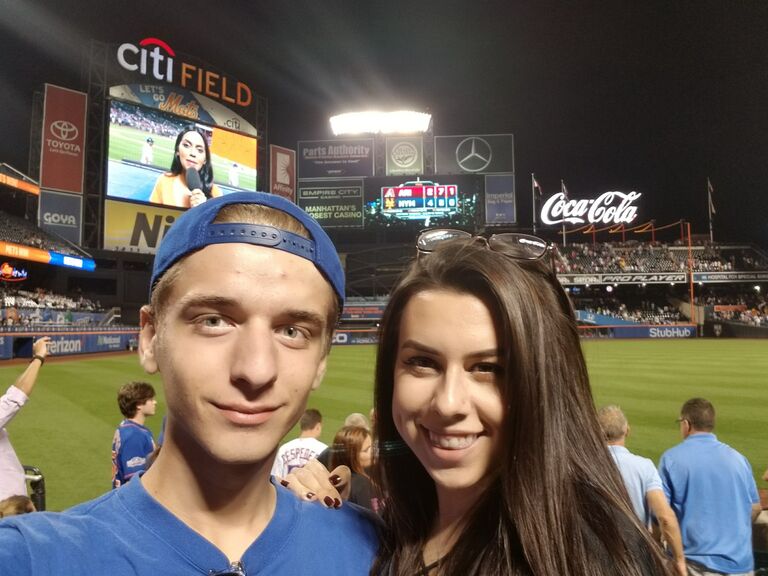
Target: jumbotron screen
[141,149]
[441,201]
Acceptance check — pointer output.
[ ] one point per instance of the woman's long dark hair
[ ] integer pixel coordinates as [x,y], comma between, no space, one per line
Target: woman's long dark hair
[206,172]
[556,504]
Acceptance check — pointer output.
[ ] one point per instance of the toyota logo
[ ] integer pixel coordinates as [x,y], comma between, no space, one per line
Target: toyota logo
[473,154]
[64,130]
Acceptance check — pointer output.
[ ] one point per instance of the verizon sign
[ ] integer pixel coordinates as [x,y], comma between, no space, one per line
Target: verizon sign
[608,208]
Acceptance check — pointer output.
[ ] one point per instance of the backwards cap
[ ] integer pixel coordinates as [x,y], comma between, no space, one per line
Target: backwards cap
[195,229]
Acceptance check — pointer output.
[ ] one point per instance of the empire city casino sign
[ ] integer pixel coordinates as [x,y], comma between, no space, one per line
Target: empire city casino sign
[156,59]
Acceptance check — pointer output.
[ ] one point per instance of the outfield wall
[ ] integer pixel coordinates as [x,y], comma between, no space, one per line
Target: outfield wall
[19,344]
[350,337]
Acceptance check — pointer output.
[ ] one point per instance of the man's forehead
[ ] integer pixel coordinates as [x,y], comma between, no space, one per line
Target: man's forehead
[212,267]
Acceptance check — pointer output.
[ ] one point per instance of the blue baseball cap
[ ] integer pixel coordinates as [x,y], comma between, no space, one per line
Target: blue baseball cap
[195,230]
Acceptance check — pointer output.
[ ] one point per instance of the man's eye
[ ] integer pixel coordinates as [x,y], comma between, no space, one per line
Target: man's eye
[211,322]
[294,333]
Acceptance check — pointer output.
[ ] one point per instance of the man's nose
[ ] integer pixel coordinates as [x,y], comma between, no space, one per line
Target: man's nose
[255,357]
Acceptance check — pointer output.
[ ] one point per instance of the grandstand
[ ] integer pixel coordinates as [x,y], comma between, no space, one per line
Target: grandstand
[628,282]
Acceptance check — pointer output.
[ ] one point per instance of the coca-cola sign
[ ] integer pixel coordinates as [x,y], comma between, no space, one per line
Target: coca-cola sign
[608,208]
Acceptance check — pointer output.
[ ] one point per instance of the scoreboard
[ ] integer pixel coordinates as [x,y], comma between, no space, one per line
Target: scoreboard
[419,200]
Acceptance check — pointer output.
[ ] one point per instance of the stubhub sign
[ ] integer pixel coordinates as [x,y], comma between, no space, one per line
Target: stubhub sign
[671,332]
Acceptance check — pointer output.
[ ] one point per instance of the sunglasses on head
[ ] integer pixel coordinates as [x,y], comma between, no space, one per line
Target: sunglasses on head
[511,244]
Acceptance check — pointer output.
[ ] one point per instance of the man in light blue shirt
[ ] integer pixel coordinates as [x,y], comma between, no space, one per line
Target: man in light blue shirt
[712,491]
[642,482]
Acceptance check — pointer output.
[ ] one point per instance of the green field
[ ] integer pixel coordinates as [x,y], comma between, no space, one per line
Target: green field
[66,428]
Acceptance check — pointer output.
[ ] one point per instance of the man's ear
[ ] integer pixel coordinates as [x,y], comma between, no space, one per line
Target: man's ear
[147,340]
[320,372]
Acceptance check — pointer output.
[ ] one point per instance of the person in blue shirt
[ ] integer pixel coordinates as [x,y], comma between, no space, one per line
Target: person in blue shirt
[133,442]
[245,292]
[711,488]
[642,482]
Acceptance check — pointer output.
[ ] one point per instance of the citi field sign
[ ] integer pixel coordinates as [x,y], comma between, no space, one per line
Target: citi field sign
[156,59]
[608,208]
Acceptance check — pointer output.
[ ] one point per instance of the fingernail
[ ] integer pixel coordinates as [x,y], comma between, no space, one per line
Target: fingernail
[284,482]
[335,479]
[328,501]
[336,503]
[310,495]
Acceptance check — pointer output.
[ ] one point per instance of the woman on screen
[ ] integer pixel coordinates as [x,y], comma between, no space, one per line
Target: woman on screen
[489,449]
[190,179]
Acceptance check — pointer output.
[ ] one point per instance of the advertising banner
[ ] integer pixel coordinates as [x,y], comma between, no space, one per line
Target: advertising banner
[345,337]
[369,311]
[61,214]
[282,172]
[634,278]
[342,158]
[62,155]
[333,203]
[185,103]
[405,155]
[136,227]
[67,343]
[475,154]
[19,184]
[500,199]
[153,60]
[758,276]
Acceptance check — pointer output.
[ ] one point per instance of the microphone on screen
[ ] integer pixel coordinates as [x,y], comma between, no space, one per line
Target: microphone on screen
[194,182]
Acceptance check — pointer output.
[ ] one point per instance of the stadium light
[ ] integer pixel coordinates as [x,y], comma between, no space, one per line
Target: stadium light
[373,122]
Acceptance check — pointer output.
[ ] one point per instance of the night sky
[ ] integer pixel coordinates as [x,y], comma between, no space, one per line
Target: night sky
[652,96]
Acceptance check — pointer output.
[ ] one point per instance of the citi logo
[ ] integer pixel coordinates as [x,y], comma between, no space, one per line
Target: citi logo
[64,130]
[60,219]
[155,58]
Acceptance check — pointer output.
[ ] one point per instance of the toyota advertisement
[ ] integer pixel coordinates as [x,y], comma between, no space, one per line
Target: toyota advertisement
[62,154]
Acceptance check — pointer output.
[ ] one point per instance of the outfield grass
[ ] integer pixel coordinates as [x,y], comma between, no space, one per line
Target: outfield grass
[66,429]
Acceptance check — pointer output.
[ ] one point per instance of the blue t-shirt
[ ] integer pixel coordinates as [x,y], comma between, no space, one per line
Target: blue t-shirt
[711,489]
[126,532]
[131,445]
[640,477]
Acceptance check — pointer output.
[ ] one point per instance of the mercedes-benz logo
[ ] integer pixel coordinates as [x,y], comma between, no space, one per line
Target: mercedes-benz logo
[473,154]
[64,130]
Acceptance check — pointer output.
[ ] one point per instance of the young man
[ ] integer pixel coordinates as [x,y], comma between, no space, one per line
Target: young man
[133,442]
[246,289]
[299,451]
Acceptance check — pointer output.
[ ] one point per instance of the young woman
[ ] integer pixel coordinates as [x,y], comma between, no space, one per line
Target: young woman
[352,447]
[191,151]
[490,453]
